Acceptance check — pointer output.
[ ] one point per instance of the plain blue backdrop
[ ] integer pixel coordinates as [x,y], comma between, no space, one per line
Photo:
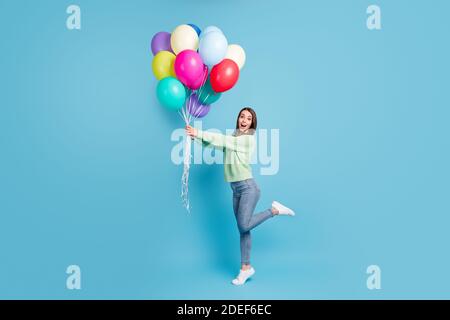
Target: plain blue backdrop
[86,176]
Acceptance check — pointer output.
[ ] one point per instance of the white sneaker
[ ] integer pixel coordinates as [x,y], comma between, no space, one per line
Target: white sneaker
[243,276]
[282,209]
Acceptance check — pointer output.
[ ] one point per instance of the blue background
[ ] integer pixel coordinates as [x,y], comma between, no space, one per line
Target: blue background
[86,176]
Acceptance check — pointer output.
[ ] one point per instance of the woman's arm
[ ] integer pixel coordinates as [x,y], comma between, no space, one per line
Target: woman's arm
[242,143]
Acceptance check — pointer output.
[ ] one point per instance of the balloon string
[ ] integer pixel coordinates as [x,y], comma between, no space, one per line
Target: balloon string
[198,111]
[182,115]
[207,96]
[185,176]
[191,108]
[187,117]
[187,158]
[200,90]
[188,108]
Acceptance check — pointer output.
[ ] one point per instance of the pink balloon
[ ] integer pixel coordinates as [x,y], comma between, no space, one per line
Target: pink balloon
[189,68]
[201,81]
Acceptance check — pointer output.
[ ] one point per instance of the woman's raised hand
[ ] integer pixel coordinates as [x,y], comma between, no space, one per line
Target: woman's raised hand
[191,131]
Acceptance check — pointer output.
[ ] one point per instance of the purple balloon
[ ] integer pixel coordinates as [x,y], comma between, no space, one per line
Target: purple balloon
[160,42]
[195,108]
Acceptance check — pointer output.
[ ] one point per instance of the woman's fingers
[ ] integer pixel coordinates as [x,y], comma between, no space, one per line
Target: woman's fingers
[190,131]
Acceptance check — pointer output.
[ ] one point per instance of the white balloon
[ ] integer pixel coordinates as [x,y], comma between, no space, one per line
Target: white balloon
[184,37]
[237,54]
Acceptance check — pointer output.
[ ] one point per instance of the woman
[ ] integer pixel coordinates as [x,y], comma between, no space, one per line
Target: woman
[238,149]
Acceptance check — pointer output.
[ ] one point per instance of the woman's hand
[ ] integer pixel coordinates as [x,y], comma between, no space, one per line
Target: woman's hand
[191,131]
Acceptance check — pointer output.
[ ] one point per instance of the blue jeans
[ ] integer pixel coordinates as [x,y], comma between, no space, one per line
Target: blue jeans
[246,194]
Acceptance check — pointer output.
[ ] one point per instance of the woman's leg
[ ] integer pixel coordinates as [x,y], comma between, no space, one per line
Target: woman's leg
[246,248]
[246,206]
[245,237]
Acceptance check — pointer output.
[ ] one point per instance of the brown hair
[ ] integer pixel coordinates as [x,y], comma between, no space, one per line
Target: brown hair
[254,124]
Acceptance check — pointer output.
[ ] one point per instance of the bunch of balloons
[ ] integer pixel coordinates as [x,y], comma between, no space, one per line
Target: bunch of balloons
[194,67]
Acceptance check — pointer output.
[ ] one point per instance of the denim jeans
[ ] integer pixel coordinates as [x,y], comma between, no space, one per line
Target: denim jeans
[246,194]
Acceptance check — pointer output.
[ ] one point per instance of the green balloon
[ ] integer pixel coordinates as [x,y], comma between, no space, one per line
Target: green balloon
[207,94]
[171,93]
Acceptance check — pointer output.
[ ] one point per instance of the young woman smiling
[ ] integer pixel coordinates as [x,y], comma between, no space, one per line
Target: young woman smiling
[238,149]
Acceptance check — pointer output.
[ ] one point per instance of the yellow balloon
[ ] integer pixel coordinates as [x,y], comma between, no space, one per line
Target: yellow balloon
[162,65]
[184,37]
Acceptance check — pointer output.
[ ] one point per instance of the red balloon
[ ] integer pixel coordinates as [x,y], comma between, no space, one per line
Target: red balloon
[224,75]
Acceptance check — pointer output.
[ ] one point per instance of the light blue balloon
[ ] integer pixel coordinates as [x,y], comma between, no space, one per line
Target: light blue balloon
[209,29]
[213,47]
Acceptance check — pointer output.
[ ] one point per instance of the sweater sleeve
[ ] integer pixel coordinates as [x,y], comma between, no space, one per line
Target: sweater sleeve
[242,143]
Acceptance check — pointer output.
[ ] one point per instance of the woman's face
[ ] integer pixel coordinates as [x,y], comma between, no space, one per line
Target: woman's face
[245,120]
